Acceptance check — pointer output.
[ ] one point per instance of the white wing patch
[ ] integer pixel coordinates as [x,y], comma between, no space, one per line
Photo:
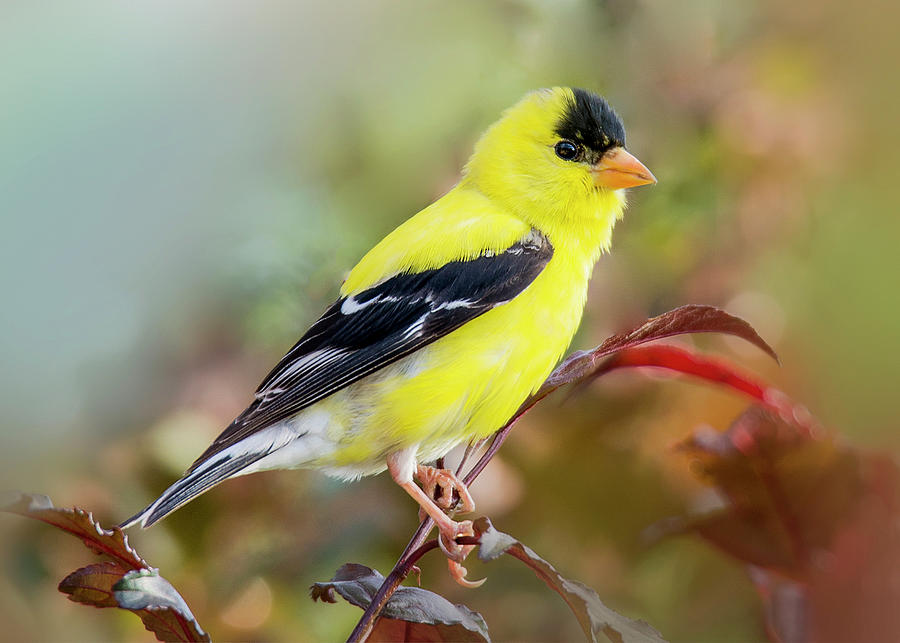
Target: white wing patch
[459,303]
[351,306]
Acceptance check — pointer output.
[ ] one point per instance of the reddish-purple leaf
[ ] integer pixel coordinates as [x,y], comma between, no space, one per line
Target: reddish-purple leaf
[78,522]
[582,366]
[816,522]
[411,614]
[93,585]
[688,319]
[144,592]
[594,617]
[786,493]
[681,321]
[127,581]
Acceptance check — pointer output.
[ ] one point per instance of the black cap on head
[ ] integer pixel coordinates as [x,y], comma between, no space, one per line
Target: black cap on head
[590,120]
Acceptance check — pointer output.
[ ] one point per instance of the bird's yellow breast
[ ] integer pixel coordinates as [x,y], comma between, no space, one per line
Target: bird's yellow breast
[473,380]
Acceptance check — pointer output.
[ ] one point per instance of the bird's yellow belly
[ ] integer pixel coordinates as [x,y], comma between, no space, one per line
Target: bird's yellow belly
[462,387]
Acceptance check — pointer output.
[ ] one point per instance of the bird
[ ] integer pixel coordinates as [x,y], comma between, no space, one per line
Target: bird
[449,323]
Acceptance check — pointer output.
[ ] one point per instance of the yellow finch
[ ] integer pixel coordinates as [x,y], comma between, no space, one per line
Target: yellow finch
[445,327]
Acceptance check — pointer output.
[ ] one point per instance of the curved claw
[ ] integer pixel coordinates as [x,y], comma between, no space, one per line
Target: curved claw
[457,553]
[454,551]
[458,573]
[447,540]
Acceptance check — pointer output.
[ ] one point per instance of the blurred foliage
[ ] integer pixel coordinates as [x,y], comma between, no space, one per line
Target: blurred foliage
[183,185]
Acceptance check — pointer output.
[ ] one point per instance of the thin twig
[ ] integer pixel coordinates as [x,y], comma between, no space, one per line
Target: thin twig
[499,438]
[400,571]
[471,448]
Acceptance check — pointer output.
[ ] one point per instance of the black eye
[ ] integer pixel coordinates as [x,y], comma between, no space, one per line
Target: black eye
[566,150]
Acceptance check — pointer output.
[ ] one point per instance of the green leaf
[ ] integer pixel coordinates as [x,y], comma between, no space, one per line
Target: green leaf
[595,617]
[411,614]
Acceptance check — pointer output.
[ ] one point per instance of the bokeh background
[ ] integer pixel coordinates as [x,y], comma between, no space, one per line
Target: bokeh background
[183,185]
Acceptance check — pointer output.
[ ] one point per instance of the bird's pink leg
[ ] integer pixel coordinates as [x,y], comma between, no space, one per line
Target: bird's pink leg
[401,465]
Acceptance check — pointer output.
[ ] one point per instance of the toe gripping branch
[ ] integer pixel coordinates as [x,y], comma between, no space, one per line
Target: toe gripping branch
[445,489]
[450,494]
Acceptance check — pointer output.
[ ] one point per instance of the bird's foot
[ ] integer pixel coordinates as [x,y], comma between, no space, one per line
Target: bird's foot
[447,539]
[456,553]
[445,488]
[435,507]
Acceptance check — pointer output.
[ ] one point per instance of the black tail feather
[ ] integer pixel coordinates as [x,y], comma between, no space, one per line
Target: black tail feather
[190,486]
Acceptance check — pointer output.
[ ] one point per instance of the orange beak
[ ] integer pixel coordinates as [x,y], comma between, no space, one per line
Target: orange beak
[619,169]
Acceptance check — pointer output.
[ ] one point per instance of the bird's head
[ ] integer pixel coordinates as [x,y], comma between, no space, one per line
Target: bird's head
[558,156]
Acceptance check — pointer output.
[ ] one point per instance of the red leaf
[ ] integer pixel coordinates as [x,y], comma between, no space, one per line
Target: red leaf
[716,371]
[681,321]
[582,366]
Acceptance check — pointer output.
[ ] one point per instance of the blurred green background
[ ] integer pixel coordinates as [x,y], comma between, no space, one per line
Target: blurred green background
[183,185]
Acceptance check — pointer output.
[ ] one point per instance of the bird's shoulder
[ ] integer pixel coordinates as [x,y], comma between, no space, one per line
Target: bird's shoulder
[460,226]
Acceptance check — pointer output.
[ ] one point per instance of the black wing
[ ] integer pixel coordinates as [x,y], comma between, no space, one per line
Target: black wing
[365,332]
